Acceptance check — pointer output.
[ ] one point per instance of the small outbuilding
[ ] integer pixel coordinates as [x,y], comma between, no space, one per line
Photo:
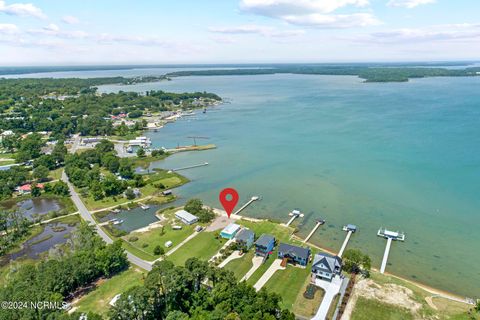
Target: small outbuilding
[230,231]
[245,237]
[186,217]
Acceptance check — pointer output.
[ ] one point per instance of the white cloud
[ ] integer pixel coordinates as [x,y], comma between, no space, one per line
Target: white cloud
[313,13]
[53,30]
[438,33]
[8,28]
[296,7]
[410,4]
[22,10]
[256,29]
[70,20]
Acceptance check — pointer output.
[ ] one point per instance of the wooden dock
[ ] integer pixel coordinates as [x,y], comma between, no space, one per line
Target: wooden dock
[191,167]
[345,242]
[385,255]
[317,225]
[254,198]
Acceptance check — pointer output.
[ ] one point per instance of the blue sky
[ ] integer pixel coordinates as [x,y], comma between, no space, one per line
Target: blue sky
[60,32]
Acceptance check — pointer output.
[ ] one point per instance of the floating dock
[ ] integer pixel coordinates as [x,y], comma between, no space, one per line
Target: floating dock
[317,225]
[254,198]
[294,214]
[390,236]
[192,166]
[350,228]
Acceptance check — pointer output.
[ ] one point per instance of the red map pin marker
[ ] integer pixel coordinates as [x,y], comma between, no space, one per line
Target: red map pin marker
[228,198]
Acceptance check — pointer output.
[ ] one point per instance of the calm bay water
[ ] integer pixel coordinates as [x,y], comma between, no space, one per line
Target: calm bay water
[404,156]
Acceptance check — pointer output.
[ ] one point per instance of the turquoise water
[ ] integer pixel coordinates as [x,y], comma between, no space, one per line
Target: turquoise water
[399,155]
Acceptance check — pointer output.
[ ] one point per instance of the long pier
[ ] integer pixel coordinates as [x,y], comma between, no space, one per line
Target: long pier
[345,242]
[291,220]
[192,166]
[313,231]
[385,255]
[390,236]
[254,198]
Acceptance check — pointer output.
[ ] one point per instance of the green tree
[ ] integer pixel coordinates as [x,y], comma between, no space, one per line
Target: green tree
[129,194]
[40,173]
[112,186]
[35,190]
[140,152]
[134,304]
[194,206]
[356,261]
[158,251]
[61,188]
[30,148]
[96,191]
[105,146]
[59,152]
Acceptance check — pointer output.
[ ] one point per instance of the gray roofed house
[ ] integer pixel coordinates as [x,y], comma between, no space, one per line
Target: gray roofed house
[294,254]
[245,237]
[326,266]
[264,245]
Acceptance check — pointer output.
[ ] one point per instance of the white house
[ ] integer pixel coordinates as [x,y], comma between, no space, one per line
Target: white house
[325,266]
[186,217]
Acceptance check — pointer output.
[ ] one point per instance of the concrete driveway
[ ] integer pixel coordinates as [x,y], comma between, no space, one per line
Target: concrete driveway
[268,274]
[256,263]
[331,290]
[235,255]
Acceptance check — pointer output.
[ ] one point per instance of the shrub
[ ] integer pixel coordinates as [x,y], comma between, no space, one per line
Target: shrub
[158,250]
[133,239]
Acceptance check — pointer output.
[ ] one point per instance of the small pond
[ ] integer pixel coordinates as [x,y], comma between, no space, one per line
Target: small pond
[34,207]
[52,235]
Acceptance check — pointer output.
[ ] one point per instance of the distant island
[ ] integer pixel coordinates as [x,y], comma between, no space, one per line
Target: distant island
[369,73]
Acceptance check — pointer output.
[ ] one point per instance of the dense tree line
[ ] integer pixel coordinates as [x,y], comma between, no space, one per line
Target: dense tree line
[196,291]
[85,171]
[88,259]
[367,72]
[33,105]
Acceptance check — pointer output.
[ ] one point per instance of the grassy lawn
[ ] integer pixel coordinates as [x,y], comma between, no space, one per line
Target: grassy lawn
[6,162]
[155,237]
[307,307]
[366,309]
[55,174]
[98,300]
[281,233]
[241,266]
[137,251]
[288,284]
[203,246]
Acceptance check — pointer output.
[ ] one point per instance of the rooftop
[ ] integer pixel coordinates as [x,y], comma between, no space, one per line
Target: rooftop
[244,235]
[182,214]
[231,228]
[299,252]
[264,240]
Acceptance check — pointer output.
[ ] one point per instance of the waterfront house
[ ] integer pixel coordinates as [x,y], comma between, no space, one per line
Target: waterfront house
[294,254]
[264,245]
[186,217]
[325,266]
[245,238]
[230,231]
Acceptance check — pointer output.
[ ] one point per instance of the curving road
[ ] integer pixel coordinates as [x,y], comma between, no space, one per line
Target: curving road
[87,216]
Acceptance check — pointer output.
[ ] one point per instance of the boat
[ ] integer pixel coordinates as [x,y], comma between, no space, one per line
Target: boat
[118,222]
[116,211]
[144,206]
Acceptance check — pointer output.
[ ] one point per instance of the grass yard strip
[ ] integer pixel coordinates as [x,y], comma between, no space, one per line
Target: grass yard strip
[288,284]
[150,239]
[138,252]
[367,309]
[280,232]
[241,266]
[98,300]
[203,246]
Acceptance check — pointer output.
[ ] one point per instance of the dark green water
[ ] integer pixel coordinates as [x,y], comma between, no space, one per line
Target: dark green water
[404,156]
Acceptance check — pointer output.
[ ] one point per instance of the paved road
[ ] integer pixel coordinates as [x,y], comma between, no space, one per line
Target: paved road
[87,216]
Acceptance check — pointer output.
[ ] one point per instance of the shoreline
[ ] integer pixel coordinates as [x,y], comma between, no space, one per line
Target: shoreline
[434,291]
